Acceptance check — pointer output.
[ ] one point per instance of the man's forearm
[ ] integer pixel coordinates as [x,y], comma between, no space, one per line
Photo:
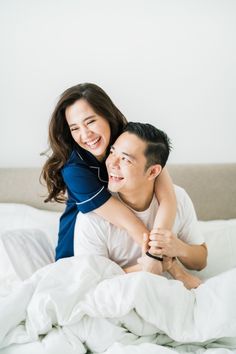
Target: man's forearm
[193,256]
[177,271]
[134,268]
[146,264]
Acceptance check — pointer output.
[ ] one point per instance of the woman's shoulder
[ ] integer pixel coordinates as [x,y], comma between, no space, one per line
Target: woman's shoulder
[81,164]
[75,157]
[74,162]
[82,157]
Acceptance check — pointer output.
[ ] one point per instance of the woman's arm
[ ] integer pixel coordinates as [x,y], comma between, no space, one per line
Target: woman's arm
[164,191]
[90,195]
[121,216]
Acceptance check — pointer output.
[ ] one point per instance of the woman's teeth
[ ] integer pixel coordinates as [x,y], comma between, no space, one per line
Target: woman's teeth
[92,142]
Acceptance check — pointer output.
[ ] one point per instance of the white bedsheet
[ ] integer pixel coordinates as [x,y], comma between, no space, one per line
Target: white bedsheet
[80,303]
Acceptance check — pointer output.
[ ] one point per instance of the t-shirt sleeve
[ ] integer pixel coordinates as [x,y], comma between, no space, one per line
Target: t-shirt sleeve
[189,229]
[84,187]
[90,235]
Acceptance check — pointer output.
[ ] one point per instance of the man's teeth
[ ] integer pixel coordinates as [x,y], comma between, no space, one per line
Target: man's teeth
[115,177]
[93,142]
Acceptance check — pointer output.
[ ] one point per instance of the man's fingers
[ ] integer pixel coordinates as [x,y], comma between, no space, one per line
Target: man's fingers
[145,243]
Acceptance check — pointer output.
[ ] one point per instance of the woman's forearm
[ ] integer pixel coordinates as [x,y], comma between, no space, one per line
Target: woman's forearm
[164,191]
[121,216]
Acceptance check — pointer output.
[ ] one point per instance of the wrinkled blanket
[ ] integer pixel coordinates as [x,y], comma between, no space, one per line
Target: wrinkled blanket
[89,304]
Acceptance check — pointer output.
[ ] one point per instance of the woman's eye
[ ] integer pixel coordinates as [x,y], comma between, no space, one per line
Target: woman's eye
[91,121]
[73,129]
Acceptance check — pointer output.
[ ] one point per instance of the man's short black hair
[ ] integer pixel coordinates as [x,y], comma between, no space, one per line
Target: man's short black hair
[158,143]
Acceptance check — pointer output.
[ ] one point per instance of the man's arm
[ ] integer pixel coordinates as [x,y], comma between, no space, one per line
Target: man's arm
[134,268]
[170,265]
[191,256]
[177,271]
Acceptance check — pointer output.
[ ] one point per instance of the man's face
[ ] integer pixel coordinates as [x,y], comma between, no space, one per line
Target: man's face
[126,164]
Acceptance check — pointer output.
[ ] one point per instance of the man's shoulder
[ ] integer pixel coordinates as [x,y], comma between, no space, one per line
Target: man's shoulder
[184,202]
[180,193]
[91,220]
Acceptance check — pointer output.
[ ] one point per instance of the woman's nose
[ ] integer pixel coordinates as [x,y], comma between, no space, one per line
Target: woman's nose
[84,132]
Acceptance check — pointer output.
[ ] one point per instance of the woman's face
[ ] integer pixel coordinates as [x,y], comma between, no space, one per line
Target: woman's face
[89,130]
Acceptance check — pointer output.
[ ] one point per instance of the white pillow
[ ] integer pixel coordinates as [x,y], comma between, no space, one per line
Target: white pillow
[28,237]
[220,236]
[22,252]
[17,216]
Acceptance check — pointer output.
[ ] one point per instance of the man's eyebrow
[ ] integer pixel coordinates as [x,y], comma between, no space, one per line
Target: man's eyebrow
[84,120]
[132,157]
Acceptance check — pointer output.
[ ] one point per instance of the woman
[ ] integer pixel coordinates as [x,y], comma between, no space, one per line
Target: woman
[83,126]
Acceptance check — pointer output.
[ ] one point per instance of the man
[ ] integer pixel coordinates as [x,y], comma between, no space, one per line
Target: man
[135,160]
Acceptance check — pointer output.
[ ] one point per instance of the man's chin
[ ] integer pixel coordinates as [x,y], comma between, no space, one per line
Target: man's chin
[113,188]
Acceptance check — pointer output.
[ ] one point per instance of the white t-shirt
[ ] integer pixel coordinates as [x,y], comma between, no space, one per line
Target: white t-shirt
[95,235]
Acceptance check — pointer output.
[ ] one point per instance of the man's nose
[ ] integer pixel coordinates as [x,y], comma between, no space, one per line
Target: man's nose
[115,161]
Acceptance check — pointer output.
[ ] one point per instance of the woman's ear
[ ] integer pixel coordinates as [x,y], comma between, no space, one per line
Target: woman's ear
[153,171]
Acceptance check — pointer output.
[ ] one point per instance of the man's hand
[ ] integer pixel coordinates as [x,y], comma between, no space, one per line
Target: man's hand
[167,263]
[190,281]
[164,242]
[147,263]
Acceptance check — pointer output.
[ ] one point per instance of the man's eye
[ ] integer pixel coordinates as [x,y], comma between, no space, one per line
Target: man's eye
[126,160]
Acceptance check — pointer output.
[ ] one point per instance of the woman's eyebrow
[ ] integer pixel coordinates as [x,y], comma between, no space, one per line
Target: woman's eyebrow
[89,117]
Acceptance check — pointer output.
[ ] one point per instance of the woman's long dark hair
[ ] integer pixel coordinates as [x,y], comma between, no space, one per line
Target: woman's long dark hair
[61,142]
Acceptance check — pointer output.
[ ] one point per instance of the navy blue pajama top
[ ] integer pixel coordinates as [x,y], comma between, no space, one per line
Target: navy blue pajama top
[86,183]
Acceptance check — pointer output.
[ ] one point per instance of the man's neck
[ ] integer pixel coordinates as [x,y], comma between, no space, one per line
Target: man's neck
[139,200]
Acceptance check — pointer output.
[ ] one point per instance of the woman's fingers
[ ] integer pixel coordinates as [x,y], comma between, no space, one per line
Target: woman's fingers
[145,246]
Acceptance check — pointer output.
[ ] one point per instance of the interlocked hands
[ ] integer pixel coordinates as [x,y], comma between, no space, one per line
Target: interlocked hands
[164,242]
[149,264]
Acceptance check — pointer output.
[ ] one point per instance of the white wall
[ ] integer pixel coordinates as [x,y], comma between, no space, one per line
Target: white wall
[171,63]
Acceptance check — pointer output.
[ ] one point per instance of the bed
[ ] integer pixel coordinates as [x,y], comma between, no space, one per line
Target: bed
[80,305]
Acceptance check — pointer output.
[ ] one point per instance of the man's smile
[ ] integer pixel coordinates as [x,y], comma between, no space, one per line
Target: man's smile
[114,177]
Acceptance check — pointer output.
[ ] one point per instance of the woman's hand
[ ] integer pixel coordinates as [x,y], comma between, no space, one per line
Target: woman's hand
[147,263]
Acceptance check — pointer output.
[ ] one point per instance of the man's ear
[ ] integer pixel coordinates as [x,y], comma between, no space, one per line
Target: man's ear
[153,171]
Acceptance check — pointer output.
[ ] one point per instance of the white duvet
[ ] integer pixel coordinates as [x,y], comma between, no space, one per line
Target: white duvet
[88,304]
